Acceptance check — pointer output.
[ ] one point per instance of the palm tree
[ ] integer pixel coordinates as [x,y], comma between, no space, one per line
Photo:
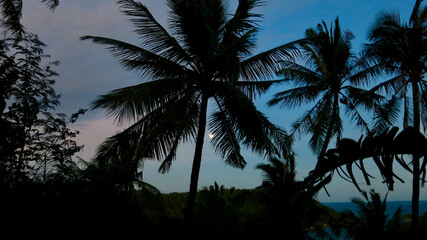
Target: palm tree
[291,211]
[282,197]
[401,47]
[206,58]
[217,211]
[328,73]
[371,220]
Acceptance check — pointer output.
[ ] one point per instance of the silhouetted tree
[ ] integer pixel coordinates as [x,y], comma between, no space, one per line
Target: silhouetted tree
[401,47]
[371,220]
[330,75]
[217,212]
[37,172]
[34,140]
[383,149]
[291,211]
[206,58]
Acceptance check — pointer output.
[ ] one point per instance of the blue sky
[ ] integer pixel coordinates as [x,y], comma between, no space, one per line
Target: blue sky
[87,70]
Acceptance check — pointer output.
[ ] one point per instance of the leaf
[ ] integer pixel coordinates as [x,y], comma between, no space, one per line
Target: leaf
[299,74]
[153,36]
[156,134]
[364,172]
[264,65]
[133,102]
[225,140]
[295,97]
[51,4]
[167,162]
[252,89]
[252,128]
[386,114]
[146,63]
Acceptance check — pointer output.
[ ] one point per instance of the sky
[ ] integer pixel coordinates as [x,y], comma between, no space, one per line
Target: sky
[88,70]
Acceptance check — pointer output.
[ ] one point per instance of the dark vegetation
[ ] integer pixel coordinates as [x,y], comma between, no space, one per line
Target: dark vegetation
[46,191]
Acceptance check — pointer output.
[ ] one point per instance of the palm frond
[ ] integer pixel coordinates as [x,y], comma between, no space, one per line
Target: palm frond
[295,97]
[364,70]
[253,89]
[132,102]
[225,140]
[396,220]
[156,135]
[395,85]
[252,128]
[167,162]
[300,75]
[162,129]
[244,19]
[321,121]
[302,125]
[422,17]
[265,65]
[51,4]
[408,116]
[388,41]
[385,22]
[313,59]
[154,37]
[358,97]
[117,147]
[356,116]
[135,58]
[198,25]
[415,12]
[277,174]
[386,115]
[240,30]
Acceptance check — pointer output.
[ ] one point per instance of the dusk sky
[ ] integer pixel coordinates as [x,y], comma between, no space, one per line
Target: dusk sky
[88,70]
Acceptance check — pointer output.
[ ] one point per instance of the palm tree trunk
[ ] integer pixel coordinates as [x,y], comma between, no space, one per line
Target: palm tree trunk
[197,158]
[331,126]
[416,163]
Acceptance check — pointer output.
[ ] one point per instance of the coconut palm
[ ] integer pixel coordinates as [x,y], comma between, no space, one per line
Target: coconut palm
[401,48]
[290,208]
[330,75]
[282,196]
[217,212]
[371,220]
[205,56]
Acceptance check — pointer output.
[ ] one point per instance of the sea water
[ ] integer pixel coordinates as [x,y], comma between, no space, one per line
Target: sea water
[392,206]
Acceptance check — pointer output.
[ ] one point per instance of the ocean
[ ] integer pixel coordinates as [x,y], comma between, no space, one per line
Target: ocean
[391,206]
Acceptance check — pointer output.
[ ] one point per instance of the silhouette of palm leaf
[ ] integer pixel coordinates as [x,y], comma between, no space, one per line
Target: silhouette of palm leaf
[140,60]
[133,102]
